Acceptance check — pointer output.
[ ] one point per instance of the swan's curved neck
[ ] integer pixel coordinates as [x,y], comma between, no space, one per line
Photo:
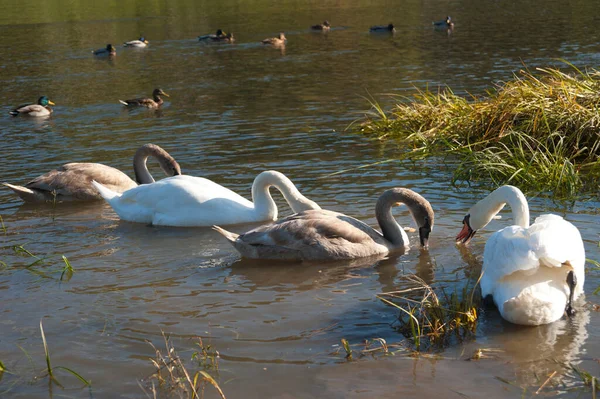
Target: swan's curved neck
[390,229]
[483,211]
[263,202]
[142,174]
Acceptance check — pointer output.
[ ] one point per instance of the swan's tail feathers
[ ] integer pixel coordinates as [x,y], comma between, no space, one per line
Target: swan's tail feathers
[106,193]
[231,237]
[123,102]
[26,194]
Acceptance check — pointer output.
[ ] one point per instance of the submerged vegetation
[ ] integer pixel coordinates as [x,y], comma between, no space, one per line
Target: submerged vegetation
[50,370]
[430,318]
[173,377]
[538,131]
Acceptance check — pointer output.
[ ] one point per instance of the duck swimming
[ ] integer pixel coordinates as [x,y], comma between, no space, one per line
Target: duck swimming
[447,23]
[324,26]
[109,50]
[141,42]
[155,102]
[276,41]
[388,28]
[40,109]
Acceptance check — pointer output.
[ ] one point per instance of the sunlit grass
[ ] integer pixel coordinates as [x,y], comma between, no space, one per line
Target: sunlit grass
[430,317]
[538,131]
[174,379]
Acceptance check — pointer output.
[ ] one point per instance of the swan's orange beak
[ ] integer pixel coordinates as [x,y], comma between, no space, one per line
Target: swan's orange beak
[466,233]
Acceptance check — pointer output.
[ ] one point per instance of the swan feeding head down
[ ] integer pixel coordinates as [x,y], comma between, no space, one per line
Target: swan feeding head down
[532,273]
[190,201]
[326,235]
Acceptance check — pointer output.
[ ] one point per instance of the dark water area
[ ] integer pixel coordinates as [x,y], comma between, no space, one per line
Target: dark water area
[234,111]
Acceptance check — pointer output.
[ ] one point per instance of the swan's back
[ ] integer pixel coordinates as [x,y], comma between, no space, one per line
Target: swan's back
[183,201]
[72,182]
[312,235]
[525,270]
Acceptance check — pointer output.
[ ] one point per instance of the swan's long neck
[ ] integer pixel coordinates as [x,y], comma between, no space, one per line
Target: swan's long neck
[142,174]
[483,211]
[416,204]
[263,202]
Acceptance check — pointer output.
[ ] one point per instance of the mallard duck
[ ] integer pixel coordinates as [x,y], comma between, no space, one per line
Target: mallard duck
[324,26]
[447,23]
[109,50]
[228,38]
[325,235]
[153,102]
[379,28]
[220,33]
[71,182]
[40,109]
[141,42]
[276,41]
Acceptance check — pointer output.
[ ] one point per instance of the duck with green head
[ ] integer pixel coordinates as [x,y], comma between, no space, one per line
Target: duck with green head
[155,102]
[40,109]
[109,50]
[141,42]
[213,36]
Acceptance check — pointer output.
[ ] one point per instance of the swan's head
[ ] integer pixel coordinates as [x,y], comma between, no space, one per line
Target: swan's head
[425,228]
[467,232]
[477,218]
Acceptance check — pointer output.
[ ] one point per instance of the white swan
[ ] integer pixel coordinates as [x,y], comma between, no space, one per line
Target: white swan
[533,273]
[326,235]
[195,201]
[71,181]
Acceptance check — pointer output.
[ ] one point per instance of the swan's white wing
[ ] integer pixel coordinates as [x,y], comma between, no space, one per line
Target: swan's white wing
[556,241]
[183,201]
[507,251]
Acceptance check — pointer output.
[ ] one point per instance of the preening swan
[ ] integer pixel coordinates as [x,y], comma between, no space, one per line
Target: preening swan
[71,182]
[533,273]
[327,235]
[195,201]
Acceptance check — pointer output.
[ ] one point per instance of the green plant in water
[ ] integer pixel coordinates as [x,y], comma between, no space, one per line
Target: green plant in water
[207,358]
[174,377]
[67,271]
[50,369]
[431,321]
[540,133]
[347,349]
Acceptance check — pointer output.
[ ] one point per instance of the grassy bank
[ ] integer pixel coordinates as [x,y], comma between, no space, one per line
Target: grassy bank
[539,131]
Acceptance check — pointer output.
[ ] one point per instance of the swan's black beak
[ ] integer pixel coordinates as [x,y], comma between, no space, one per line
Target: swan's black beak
[467,232]
[424,235]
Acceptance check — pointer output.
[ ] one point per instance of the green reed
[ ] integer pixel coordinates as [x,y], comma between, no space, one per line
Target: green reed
[175,379]
[430,317]
[538,131]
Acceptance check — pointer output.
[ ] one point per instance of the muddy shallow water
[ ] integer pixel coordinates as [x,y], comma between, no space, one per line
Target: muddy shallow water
[233,112]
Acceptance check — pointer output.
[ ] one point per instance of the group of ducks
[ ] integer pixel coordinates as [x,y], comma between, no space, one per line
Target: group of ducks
[42,107]
[532,273]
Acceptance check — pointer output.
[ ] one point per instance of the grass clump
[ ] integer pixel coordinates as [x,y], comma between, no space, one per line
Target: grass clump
[432,321]
[174,378]
[540,132]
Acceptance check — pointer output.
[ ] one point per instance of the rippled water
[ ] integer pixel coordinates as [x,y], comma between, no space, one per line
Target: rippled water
[234,111]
